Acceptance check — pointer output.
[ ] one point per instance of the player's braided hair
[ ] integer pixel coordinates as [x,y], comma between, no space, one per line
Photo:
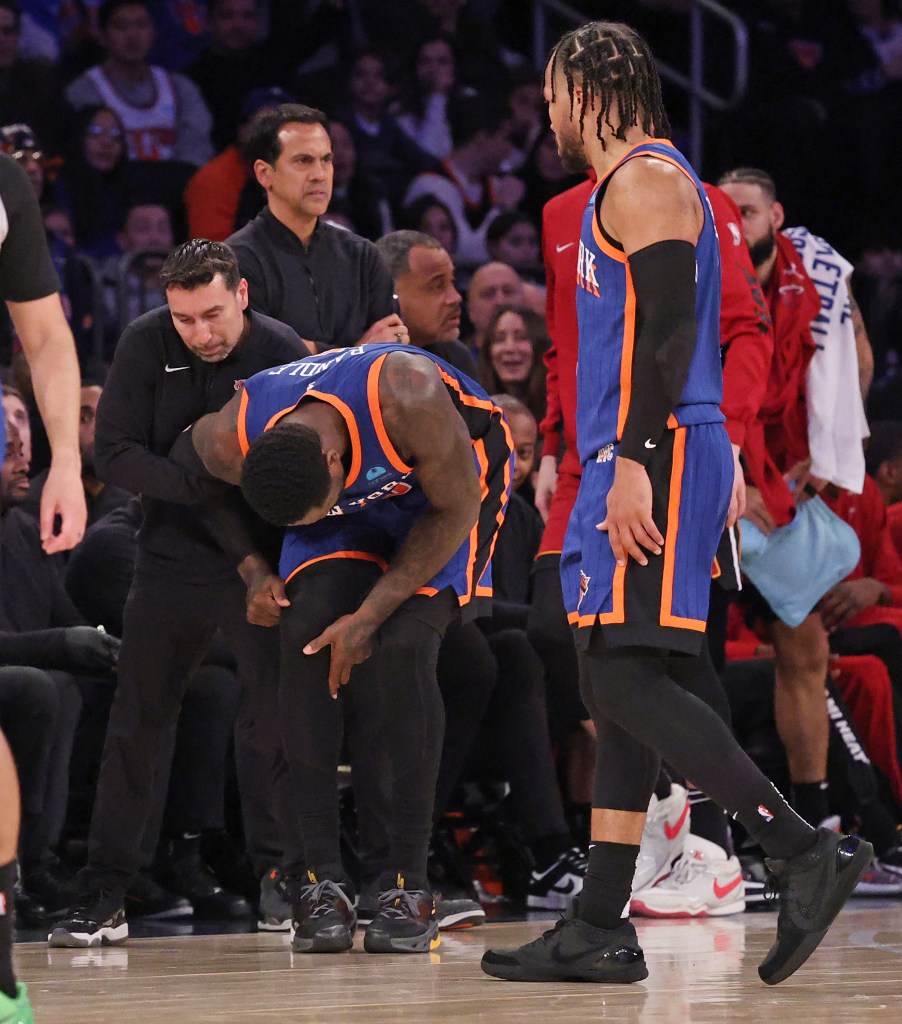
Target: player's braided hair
[613,64]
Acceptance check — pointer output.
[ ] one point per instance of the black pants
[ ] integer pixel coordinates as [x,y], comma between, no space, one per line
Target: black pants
[551,637]
[39,712]
[391,708]
[167,628]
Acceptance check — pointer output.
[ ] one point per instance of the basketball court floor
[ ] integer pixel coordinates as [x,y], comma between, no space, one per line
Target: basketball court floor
[701,972]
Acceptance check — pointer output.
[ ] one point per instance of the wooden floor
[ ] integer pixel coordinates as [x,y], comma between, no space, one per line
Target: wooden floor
[701,973]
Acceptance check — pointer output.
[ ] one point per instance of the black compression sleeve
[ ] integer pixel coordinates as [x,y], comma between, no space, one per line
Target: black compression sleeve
[663,277]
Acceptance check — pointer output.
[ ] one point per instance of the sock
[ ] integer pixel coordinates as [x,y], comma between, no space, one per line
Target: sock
[8,875]
[547,849]
[709,821]
[809,799]
[781,833]
[605,896]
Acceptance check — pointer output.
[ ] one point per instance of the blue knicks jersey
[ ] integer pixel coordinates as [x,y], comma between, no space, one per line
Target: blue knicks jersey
[348,379]
[606,311]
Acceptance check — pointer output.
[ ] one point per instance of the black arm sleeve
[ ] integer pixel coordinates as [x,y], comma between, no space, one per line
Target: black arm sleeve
[26,269]
[43,648]
[663,277]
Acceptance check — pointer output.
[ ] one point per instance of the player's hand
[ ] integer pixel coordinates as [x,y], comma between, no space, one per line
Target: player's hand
[63,496]
[352,640]
[756,511]
[546,484]
[737,496]
[628,522]
[802,484]
[847,599]
[266,598]
[389,329]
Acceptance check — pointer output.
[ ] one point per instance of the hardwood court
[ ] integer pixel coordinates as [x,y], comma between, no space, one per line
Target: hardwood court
[701,973]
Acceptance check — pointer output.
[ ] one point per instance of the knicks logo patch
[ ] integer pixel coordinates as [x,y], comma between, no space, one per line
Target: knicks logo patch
[584,581]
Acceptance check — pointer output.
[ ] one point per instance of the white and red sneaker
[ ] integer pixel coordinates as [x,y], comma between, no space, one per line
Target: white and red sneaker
[663,837]
[705,882]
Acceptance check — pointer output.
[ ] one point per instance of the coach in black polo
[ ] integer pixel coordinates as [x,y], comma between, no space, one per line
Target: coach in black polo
[171,366]
[327,283]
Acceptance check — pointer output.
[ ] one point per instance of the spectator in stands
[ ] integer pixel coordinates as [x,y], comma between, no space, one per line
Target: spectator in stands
[544,176]
[327,284]
[512,238]
[20,142]
[93,184]
[470,182]
[884,463]
[510,360]
[431,217]
[425,113]
[384,150]
[41,628]
[235,62]
[223,195]
[428,301]
[528,117]
[164,115]
[16,417]
[132,288]
[28,87]
[100,496]
[354,193]
[493,285]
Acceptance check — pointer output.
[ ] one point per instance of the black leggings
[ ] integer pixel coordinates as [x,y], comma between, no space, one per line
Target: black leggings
[647,705]
[392,700]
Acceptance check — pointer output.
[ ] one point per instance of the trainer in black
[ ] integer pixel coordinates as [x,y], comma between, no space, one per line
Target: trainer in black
[323,920]
[97,918]
[813,886]
[556,886]
[572,951]
[405,921]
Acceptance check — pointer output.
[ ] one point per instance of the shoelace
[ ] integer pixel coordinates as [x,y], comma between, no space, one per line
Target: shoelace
[398,903]
[685,870]
[316,894]
[578,858]
[771,887]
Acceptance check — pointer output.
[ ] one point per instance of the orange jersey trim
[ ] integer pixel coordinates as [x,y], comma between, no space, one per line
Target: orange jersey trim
[241,425]
[626,356]
[670,540]
[351,424]
[483,461]
[465,399]
[363,556]
[618,612]
[372,396]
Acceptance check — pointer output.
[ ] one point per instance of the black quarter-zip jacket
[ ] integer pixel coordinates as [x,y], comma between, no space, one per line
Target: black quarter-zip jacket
[156,388]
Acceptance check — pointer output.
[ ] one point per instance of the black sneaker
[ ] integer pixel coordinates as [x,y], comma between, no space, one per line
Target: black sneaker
[323,920]
[50,887]
[274,911]
[813,886]
[455,914]
[557,885]
[183,871]
[146,898]
[404,923]
[97,918]
[572,951]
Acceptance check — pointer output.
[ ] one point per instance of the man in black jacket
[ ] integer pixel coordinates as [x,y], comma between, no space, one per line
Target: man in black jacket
[173,365]
[327,283]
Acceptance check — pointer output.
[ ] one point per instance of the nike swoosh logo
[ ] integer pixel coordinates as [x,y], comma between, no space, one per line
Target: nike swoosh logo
[648,444]
[564,890]
[672,831]
[561,248]
[174,369]
[723,890]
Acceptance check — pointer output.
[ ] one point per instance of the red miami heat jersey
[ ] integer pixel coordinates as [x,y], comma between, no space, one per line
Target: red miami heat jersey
[606,311]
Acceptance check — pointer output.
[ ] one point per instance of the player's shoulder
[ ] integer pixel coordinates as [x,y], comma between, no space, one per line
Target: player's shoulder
[410,375]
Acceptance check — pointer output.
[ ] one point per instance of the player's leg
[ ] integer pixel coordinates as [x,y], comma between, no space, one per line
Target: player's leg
[14,1005]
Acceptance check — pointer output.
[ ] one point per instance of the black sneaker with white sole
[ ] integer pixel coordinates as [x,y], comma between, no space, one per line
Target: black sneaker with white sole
[572,951]
[813,886]
[97,918]
[558,884]
[146,898]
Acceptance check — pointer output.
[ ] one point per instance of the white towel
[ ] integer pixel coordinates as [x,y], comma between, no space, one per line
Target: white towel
[837,424]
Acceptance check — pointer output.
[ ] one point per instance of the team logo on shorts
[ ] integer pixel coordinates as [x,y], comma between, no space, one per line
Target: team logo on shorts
[765,813]
[584,581]
[605,454]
